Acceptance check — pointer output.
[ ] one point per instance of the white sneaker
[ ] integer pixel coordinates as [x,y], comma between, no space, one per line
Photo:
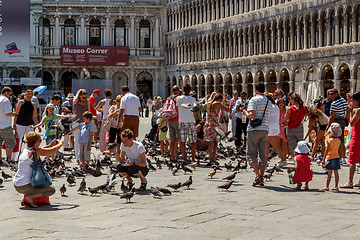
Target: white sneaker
[282,164]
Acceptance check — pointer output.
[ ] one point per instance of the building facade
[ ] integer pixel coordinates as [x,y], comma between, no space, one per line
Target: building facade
[305,46]
[136,24]
[15,71]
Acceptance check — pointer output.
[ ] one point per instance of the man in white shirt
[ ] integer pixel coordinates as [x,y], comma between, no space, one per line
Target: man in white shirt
[6,114]
[187,127]
[241,120]
[130,108]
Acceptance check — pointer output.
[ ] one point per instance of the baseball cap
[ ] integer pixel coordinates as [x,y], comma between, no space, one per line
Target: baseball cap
[97,91]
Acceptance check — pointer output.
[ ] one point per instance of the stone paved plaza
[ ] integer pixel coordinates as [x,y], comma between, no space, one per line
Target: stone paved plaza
[275,211]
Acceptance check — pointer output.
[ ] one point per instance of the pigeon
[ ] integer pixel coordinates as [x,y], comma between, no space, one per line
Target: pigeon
[228,166]
[112,182]
[128,195]
[123,187]
[71,180]
[186,169]
[151,167]
[96,172]
[277,168]
[226,185]
[165,191]
[63,190]
[268,176]
[187,183]
[93,191]
[82,187]
[1,182]
[230,177]
[174,186]
[5,176]
[212,173]
[155,192]
[175,171]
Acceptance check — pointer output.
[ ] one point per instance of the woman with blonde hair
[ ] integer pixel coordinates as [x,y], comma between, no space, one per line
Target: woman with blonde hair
[81,105]
[22,178]
[212,121]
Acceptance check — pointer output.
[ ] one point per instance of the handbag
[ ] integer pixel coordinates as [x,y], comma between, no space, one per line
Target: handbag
[106,125]
[257,121]
[40,178]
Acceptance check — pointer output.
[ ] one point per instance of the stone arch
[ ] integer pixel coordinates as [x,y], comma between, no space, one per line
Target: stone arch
[327,75]
[194,83]
[219,85]
[228,84]
[259,76]
[48,79]
[187,80]
[284,80]
[144,83]
[119,79]
[343,74]
[249,82]
[210,84]
[271,81]
[202,85]
[180,81]
[238,82]
[173,83]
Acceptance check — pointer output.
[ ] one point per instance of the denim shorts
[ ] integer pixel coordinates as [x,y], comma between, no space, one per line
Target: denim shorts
[50,138]
[334,164]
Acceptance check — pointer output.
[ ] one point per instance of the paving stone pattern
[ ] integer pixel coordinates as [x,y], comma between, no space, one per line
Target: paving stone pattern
[275,211]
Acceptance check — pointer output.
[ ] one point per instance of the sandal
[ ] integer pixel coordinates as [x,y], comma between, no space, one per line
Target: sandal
[347,185]
[142,187]
[335,189]
[325,189]
[257,181]
[28,204]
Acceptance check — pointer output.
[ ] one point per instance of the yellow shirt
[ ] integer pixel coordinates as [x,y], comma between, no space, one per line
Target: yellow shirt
[333,146]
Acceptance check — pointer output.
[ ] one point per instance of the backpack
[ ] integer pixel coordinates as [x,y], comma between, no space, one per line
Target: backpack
[169,109]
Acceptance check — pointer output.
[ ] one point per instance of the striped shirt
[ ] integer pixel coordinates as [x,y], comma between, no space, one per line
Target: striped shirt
[258,104]
[339,106]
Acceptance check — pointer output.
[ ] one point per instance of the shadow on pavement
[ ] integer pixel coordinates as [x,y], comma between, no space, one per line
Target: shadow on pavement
[52,207]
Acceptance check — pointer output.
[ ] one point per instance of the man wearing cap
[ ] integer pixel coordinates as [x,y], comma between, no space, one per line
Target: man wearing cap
[95,94]
[130,109]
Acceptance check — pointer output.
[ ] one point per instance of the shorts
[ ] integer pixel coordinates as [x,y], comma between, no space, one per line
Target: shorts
[343,124]
[132,123]
[131,170]
[323,127]
[173,128]
[50,138]
[334,164]
[187,132]
[7,136]
[30,191]
[84,153]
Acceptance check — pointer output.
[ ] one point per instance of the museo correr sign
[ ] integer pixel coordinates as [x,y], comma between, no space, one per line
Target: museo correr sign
[94,56]
[14,30]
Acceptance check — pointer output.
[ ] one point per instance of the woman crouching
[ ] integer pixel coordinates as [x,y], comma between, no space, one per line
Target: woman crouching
[22,178]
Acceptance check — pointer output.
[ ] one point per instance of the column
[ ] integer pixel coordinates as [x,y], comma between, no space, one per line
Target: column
[217,9]
[107,73]
[354,22]
[286,38]
[337,30]
[82,75]
[279,31]
[132,81]
[107,31]
[5,72]
[292,36]
[57,82]
[208,19]
[82,31]
[337,83]
[31,72]
[267,41]
[321,34]
[225,50]
[57,32]
[157,37]
[298,36]
[211,50]
[234,46]
[273,40]
[328,32]
[156,84]
[306,42]
[313,32]
[346,28]
[231,13]
[132,32]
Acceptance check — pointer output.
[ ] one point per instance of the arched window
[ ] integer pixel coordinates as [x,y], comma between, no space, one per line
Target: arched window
[317,31]
[349,25]
[46,33]
[144,41]
[95,33]
[332,23]
[69,32]
[301,33]
[324,25]
[120,33]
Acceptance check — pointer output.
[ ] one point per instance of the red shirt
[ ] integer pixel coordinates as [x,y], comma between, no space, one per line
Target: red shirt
[175,119]
[296,116]
[92,101]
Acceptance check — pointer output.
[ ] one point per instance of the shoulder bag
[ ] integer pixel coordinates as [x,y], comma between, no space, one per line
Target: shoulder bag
[40,178]
[257,121]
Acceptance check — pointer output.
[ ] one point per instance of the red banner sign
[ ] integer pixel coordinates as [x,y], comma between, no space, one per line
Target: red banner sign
[94,56]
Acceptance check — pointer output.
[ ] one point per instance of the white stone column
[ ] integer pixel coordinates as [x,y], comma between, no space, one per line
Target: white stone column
[57,82]
[57,32]
[337,29]
[156,83]
[132,33]
[313,33]
[107,32]
[107,73]
[328,41]
[31,72]
[82,31]
[132,81]
[157,30]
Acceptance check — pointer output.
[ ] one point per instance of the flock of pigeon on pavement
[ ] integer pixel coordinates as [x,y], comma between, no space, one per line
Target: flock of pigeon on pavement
[58,169]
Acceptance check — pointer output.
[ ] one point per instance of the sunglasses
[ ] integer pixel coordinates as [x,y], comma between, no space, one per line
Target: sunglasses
[331,94]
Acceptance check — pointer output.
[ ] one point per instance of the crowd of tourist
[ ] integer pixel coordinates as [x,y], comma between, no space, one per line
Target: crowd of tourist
[258,123]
